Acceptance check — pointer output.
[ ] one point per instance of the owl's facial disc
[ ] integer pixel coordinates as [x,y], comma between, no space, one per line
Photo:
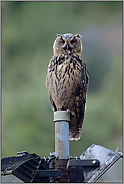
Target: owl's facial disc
[65,45]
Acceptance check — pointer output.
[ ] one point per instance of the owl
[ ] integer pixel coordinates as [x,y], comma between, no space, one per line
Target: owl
[67,81]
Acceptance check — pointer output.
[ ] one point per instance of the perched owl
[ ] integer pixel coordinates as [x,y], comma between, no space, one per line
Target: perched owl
[67,81]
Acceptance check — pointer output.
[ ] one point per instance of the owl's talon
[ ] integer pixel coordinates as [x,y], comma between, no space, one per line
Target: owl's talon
[68,111]
[73,114]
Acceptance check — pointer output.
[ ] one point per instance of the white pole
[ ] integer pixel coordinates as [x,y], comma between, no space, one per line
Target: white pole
[61,119]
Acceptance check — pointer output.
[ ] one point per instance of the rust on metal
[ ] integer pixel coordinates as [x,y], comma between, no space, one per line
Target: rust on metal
[61,164]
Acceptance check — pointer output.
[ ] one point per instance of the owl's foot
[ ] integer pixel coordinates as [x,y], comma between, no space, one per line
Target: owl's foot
[72,113]
[68,111]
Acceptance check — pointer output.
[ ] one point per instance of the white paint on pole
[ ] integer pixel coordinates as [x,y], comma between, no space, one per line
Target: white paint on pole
[61,119]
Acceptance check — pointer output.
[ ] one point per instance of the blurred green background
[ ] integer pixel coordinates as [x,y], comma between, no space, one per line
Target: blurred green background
[28,32]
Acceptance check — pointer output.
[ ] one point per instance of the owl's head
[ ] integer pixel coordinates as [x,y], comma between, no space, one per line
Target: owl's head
[67,44]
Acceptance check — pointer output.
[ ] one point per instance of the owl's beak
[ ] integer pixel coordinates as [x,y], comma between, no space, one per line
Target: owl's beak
[67,46]
[68,49]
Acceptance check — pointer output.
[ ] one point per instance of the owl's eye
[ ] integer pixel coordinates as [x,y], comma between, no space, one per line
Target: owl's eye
[73,42]
[62,42]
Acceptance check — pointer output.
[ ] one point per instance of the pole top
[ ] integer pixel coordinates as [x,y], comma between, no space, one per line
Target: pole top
[61,116]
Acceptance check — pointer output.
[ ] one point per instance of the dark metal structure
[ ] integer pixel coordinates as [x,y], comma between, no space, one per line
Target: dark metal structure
[60,167]
[31,168]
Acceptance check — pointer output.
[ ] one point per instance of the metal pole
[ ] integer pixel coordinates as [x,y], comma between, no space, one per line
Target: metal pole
[61,119]
[62,139]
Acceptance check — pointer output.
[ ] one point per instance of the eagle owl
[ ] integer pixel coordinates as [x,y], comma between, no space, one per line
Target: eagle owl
[67,81]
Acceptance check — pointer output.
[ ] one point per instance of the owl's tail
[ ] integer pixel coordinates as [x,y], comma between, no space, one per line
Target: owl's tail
[76,136]
[75,130]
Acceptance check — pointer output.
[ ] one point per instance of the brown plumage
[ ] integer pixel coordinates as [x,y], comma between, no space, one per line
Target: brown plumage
[67,81]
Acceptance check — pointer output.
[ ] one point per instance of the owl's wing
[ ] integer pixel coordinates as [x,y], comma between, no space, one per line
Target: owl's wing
[84,81]
[87,77]
[80,88]
[81,94]
[49,81]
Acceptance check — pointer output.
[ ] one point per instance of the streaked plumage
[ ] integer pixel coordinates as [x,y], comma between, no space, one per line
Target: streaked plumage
[67,81]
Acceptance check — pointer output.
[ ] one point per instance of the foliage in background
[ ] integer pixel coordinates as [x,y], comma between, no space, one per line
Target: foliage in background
[28,32]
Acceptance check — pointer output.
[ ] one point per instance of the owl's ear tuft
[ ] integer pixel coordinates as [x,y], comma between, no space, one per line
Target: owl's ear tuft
[78,35]
[58,35]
